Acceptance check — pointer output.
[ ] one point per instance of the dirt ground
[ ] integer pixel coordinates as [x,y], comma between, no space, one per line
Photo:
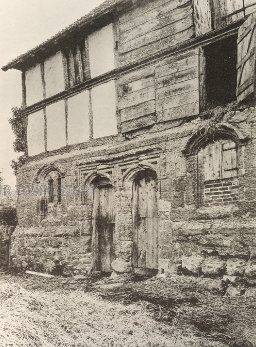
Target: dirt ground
[92,311]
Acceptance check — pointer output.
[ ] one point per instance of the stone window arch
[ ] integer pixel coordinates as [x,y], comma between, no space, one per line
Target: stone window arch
[215,160]
[49,181]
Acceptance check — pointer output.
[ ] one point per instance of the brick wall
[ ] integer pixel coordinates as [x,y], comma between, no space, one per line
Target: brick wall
[221,192]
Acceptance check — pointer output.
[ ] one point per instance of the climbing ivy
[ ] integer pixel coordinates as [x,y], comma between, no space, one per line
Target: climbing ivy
[17,121]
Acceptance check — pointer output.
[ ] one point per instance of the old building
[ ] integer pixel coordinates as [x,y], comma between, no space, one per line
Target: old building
[141,142]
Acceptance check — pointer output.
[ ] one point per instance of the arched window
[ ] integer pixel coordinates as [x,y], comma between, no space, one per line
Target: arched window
[218,173]
[219,160]
[53,187]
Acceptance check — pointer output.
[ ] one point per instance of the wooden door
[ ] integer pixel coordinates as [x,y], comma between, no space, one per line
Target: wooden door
[103,226]
[145,221]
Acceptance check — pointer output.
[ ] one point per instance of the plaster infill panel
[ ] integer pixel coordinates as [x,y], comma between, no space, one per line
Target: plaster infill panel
[78,118]
[56,126]
[34,85]
[54,75]
[104,109]
[35,133]
[102,50]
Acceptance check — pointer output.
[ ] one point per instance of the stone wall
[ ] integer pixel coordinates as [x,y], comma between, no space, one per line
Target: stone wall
[216,241]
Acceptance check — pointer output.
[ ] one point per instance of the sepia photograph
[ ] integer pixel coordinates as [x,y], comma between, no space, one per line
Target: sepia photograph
[128,173]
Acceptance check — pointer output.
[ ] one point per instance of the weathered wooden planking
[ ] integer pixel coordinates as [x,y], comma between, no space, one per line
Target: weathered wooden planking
[250,10]
[149,10]
[190,109]
[185,86]
[177,77]
[146,108]
[156,35]
[164,17]
[103,203]
[145,223]
[137,74]
[246,58]
[250,6]
[134,86]
[232,10]
[177,100]
[155,47]
[138,123]
[202,16]
[137,97]
[177,63]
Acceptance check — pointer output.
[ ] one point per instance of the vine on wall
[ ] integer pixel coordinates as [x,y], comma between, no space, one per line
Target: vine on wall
[18,124]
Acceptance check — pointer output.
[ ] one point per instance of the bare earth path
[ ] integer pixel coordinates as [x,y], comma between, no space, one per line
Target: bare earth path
[175,312]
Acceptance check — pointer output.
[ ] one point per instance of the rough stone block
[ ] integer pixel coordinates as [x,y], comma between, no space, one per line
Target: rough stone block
[234,291]
[121,266]
[192,264]
[213,266]
[212,285]
[231,279]
[250,270]
[235,267]
[250,292]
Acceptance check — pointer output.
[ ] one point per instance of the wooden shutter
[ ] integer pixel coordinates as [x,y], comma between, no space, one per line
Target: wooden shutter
[229,159]
[212,161]
[246,58]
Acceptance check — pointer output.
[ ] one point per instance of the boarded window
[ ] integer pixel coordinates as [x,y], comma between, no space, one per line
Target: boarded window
[104,109]
[78,118]
[56,126]
[34,85]
[76,64]
[220,72]
[220,160]
[35,133]
[54,75]
[101,51]
[246,57]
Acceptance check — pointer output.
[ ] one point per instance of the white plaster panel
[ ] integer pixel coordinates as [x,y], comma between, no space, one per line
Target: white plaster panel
[54,75]
[102,51]
[78,118]
[35,133]
[56,125]
[104,110]
[34,85]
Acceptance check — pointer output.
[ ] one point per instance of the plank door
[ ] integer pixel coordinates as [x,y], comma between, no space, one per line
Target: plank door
[103,225]
[145,221]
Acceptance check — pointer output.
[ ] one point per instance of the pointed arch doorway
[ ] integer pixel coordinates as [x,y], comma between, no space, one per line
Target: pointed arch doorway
[103,218]
[145,220]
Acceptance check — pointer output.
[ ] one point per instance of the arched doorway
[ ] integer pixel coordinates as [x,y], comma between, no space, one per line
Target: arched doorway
[103,224]
[145,220]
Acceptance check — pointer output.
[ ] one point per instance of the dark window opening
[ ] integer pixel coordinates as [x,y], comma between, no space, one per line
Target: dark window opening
[51,190]
[59,190]
[76,64]
[220,74]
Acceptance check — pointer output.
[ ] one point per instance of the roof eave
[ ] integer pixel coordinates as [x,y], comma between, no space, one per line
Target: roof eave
[56,41]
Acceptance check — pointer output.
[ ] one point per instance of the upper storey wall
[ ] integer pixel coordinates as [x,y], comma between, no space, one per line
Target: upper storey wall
[153,27]
[117,80]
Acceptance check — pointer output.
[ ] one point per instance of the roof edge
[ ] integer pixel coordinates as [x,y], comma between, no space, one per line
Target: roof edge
[106,8]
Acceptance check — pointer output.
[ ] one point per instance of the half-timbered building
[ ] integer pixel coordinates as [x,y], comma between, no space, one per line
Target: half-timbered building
[141,142]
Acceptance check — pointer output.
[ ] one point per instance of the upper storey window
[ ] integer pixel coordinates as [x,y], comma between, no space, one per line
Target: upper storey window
[220,73]
[102,50]
[76,64]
